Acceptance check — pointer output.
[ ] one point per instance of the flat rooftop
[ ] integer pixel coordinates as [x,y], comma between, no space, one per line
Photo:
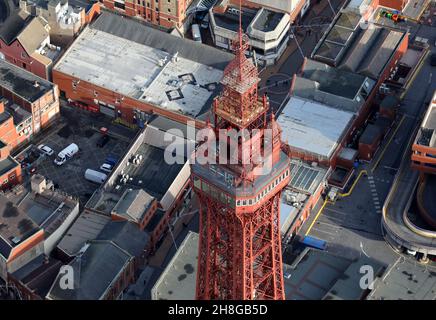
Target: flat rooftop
[124,56]
[267,20]
[99,265]
[23,213]
[22,83]
[178,280]
[230,19]
[313,127]
[7,164]
[87,227]
[319,275]
[406,280]
[334,87]
[153,175]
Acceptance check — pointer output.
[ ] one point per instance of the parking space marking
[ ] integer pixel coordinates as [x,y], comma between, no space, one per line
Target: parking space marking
[332,235]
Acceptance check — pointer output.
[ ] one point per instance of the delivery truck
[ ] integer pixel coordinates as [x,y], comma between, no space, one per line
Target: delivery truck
[95,176]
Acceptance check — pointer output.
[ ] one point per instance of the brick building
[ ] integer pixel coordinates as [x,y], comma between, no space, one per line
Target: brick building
[124,69]
[65,20]
[98,255]
[10,169]
[15,124]
[424,147]
[164,13]
[29,102]
[33,221]
[25,42]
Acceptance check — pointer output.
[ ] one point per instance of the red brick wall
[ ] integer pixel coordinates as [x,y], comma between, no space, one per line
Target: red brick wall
[15,53]
[84,92]
[155,13]
[394,4]
[420,158]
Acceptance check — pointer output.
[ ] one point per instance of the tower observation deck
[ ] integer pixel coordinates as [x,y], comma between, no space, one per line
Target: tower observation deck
[239,190]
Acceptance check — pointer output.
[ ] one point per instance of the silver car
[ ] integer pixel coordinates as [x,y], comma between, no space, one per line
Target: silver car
[45,149]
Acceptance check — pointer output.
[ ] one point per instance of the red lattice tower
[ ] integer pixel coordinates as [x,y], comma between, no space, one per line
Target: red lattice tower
[240,243]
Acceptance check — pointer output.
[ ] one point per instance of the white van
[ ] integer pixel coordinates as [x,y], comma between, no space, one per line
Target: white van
[95,176]
[66,154]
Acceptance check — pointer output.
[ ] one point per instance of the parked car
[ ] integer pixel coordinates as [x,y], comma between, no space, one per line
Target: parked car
[102,141]
[45,149]
[106,167]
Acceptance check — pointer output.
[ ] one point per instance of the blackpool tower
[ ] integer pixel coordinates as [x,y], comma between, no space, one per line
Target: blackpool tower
[239,190]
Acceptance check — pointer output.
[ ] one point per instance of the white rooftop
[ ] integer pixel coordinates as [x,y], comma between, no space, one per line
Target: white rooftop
[313,127]
[140,72]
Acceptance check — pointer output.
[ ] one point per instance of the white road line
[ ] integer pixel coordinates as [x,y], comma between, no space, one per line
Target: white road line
[333,235]
[335,211]
[361,248]
[329,224]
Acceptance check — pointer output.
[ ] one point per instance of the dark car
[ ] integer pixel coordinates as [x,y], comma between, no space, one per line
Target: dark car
[102,141]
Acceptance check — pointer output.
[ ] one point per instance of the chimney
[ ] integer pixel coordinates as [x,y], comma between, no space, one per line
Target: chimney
[38,183]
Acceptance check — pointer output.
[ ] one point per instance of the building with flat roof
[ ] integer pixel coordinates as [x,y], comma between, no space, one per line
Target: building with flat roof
[160,74]
[323,90]
[344,90]
[105,272]
[178,280]
[87,227]
[373,51]
[313,129]
[146,171]
[267,30]
[31,93]
[313,275]
[300,196]
[405,280]
[167,14]
[424,146]
[33,219]
[319,275]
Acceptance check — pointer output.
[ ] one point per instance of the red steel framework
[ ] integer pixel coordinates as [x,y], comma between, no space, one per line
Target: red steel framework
[240,254]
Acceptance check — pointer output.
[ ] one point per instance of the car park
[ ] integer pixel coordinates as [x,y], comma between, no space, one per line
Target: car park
[45,150]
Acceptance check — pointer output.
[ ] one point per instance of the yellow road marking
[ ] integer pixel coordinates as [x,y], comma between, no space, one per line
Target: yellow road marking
[342,195]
